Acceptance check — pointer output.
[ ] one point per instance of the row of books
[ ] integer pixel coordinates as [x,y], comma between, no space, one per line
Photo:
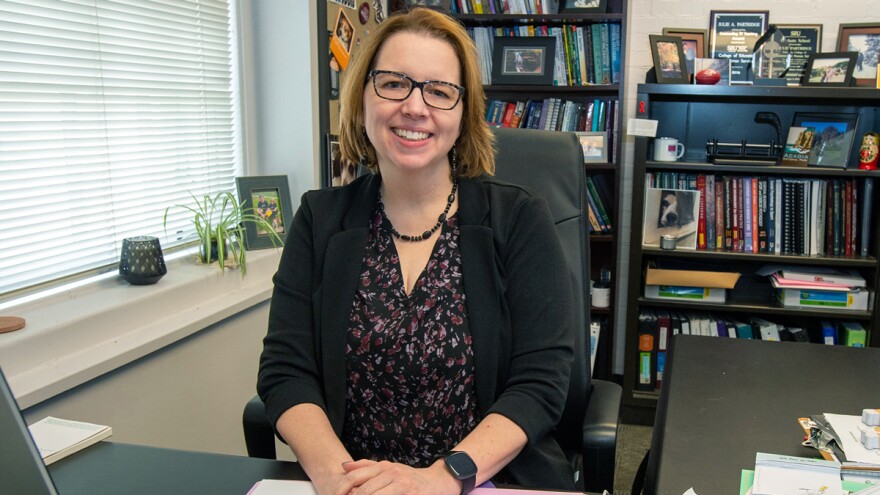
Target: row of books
[585,54]
[553,114]
[597,199]
[656,326]
[505,6]
[778,215]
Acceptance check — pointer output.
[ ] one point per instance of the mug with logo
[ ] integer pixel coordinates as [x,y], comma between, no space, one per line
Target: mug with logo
[667,149]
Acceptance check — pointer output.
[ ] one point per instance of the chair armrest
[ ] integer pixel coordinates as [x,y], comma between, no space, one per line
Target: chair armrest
[259,436]
[600,435]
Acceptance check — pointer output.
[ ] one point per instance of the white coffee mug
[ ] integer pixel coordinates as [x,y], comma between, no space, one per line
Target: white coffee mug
[601,297]
[667,149]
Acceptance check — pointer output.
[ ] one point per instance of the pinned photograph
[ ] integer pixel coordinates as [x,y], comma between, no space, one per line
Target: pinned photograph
[671,213]
[342,39]
[341,171]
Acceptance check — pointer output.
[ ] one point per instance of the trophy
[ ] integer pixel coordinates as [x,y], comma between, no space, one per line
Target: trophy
[771,58]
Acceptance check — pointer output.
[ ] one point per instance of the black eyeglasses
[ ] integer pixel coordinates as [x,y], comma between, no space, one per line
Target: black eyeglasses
[395,86]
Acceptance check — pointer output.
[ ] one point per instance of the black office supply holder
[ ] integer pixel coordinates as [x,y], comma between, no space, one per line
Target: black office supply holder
[744,153]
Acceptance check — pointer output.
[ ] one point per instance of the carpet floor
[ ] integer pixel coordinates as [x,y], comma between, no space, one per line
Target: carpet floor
[633,441]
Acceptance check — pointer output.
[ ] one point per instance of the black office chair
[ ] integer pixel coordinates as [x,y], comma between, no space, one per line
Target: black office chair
[551,165]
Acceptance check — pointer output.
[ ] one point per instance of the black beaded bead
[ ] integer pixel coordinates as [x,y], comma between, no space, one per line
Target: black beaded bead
[426,234]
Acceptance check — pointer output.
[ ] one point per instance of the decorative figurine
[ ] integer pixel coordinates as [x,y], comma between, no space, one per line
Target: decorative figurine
[869,151]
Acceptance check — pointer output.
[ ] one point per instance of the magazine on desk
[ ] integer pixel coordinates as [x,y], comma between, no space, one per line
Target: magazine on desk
[58,438]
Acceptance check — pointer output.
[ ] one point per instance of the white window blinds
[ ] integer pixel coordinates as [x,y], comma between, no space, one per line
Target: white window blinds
[110,111]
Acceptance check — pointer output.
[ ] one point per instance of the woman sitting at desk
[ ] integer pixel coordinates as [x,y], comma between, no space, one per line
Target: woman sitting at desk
[424,308]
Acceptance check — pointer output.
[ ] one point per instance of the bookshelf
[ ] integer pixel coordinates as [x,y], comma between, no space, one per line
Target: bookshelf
[603,246]
[697,114]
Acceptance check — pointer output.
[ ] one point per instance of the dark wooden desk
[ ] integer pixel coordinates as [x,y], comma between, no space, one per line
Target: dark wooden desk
[116,468]
[725,399]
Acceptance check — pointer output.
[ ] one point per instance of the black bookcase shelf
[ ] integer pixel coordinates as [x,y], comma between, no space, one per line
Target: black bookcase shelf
[698,114]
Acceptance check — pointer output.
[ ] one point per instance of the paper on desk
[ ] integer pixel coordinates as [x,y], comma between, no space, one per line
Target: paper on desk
[283,487]
[57,438]
[505,491]
[848,430]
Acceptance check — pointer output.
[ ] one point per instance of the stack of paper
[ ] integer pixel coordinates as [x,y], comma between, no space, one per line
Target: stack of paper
[58,438]
[788,475]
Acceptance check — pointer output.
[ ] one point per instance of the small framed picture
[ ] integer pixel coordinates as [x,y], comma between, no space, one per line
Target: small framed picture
[339,170]
[342,39]
[832,137]
[693,43]
[267,197]
[595,146]
[830,69]
[672,213]
[669,61]
[584,6]
[523,60]
[864,39]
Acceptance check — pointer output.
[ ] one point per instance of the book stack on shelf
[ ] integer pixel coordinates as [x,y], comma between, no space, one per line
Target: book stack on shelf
[598,196]
[553,114]
[504,7]
[778,215]
[585,55]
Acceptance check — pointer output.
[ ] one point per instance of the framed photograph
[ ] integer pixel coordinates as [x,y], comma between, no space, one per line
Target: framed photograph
[339,170]
[523,60]
[268,197]
[832,137]
[732,35]
[671,212]
[669,61]
[595,146]
[584,6]
[803,40]
[830,69]
[342,39]
[693,43]
[865,40]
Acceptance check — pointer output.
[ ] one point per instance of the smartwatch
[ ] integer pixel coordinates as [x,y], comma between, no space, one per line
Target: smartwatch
[463,468]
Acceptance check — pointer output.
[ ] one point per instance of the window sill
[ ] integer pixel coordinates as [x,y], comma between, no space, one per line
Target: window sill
[77,335]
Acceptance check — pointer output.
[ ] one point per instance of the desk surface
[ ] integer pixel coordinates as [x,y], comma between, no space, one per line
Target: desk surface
[116,468]
[725,399]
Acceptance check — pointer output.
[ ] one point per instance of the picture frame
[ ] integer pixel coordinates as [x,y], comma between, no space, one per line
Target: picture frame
[732,35]
[594,145]
[834,136]
[669,61]
[584,7]
[833,69]
[671,212]
[342,39]
[803,41]
[693,43]
[267,196]
[857,38]
[523,61]
[339,171]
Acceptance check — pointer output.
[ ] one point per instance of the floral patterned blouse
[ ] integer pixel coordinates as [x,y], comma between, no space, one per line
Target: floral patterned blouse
[410,387]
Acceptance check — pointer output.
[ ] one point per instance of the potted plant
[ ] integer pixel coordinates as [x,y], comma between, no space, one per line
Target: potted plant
[219,221]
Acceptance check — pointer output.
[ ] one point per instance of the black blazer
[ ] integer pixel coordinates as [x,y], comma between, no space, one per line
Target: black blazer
[518,298]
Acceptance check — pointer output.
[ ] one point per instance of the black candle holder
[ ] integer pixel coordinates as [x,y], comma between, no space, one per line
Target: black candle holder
[141,261]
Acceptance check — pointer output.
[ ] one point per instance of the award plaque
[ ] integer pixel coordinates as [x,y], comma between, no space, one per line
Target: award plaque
[772,55]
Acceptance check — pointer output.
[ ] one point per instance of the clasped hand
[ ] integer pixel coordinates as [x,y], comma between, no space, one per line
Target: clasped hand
[364,477]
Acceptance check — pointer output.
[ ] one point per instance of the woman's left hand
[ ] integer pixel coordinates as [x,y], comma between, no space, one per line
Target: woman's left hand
[390,478]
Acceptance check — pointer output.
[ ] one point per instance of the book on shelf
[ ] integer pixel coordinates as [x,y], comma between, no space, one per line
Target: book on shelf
[58,438]
[647,379]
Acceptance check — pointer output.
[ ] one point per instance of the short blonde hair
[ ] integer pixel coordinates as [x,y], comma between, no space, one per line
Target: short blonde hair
[476,154]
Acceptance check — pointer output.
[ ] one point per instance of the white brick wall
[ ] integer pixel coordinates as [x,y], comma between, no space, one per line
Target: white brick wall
[650,17]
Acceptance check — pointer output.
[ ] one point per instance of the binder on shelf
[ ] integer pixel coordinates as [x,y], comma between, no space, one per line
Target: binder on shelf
[646,349]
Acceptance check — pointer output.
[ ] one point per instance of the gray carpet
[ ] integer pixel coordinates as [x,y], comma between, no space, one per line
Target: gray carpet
[632,443]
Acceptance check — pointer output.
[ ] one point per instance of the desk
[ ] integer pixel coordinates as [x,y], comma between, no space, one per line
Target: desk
[725,399]
[117,468]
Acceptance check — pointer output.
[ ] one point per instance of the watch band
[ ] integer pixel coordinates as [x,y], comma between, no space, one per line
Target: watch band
[462,468]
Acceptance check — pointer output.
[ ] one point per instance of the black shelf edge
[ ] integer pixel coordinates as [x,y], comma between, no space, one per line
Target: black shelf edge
[695,92]
[600,166]
[605,89]
[868,262]
[537,18]
[644,395]
[755,308]
[600,311]
[764,170]
[601,237]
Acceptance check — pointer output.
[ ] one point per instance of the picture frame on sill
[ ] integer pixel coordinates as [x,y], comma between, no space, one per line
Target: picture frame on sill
[830,69]
[864,39]
[339,170]
[523,61]
[732,35]
[266,196]
[584,7]
[669,60]
[693,43]
[834,134]
[595,146]
[671,213]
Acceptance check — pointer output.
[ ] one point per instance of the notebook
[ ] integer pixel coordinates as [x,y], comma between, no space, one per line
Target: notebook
[21,467]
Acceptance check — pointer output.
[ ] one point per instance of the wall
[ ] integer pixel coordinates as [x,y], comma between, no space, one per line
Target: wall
[190,395]
[650,17]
